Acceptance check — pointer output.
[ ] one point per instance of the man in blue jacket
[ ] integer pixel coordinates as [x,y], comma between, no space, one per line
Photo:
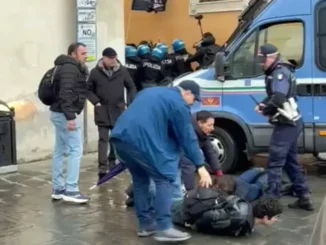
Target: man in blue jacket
[148,137]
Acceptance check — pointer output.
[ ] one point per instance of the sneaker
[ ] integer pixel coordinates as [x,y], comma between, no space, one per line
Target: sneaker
[171,235]
[146,233]
[75,197]
[57,194]
[303,203]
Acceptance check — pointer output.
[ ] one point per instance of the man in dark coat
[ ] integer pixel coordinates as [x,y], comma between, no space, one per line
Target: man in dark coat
[206,51]
[106,85]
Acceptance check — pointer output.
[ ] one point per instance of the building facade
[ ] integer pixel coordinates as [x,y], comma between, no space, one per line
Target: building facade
[220,18]
[34,33]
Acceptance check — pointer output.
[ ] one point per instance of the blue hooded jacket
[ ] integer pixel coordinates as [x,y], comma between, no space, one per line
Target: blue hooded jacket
[158,125]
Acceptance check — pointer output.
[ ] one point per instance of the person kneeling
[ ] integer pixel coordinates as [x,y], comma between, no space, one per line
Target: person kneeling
[212,211]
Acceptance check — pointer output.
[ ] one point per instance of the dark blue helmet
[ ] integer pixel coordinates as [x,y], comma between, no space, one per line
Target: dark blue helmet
[177,45]
[158,53]
[143,49]
[130,51]
[164,48]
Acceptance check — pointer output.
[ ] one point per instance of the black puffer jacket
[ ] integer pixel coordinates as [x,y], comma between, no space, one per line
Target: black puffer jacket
[71,90]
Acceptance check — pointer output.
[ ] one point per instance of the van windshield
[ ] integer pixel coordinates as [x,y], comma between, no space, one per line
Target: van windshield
[245,19]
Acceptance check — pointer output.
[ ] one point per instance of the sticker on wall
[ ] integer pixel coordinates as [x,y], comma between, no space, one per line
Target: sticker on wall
[211,101]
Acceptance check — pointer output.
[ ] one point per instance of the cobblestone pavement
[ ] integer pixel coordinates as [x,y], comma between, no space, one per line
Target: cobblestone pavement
[28,216]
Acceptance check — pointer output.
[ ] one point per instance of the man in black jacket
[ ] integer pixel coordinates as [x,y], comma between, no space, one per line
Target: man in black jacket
[203,123]
[206,51]
[106,86]
[71,90]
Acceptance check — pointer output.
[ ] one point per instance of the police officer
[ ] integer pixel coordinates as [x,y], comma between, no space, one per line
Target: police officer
[181,55]
[134,65]
[169,62]
[153,69]
[206,51]
[144,52]
[281,108]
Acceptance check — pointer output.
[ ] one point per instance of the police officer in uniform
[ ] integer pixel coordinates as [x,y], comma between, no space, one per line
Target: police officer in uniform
[153,69]
[144,52]
[181,55]
[281,109]
[169,62]
[134,65]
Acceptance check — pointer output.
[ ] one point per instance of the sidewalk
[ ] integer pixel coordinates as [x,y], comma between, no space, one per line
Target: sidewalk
[28,216]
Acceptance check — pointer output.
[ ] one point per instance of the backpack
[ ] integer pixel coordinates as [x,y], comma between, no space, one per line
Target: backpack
[47,88]
[215,213]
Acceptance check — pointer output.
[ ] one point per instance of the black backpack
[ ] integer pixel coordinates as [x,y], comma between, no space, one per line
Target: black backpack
[47,88]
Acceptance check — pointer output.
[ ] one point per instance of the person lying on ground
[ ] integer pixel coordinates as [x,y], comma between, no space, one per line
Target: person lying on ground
[209,210]
[250,185]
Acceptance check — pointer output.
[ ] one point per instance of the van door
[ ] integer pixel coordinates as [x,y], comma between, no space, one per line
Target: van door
[318,51]
[246,78]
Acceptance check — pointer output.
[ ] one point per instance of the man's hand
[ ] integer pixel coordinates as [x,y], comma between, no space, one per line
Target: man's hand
[259,107]
[205,178]
[71,125]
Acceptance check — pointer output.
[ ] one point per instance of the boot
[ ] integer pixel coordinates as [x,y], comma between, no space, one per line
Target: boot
[304,202]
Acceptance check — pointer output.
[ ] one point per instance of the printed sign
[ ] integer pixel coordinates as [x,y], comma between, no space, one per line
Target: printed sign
[86,3]
[86,15]
[87,35]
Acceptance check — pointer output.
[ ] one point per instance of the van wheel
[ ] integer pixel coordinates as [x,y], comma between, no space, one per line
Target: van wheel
[227,149]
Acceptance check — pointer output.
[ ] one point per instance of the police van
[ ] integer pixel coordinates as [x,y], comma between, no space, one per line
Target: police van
[230,87]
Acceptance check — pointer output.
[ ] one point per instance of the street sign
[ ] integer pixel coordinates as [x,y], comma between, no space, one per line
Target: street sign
[86,3]
[86,15]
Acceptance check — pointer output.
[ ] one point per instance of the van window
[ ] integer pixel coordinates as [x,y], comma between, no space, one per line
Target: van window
[321,36]
[287,37]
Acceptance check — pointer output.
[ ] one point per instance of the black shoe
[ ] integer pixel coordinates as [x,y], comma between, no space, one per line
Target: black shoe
[303,203]
[101,175]
[129,202]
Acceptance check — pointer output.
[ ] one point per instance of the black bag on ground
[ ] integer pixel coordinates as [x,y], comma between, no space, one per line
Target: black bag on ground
[47,88]
[215,213]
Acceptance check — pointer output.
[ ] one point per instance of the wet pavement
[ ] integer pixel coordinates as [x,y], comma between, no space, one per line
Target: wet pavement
[28,216]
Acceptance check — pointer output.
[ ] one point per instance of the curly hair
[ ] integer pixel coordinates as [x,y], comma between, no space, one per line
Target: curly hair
[265,206]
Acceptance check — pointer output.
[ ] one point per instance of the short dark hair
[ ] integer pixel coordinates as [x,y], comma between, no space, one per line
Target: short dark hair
[267,206]
[74,46]
[203,116]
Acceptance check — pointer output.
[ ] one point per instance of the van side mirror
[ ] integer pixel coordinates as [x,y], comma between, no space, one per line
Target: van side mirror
[219,65]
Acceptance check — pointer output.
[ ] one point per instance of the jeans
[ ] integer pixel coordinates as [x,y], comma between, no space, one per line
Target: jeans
[250,184]
[176,188]
[142,173]
[66,142]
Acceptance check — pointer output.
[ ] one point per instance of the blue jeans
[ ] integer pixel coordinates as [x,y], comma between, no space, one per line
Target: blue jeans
[142,173]
[66,142]
[250,184]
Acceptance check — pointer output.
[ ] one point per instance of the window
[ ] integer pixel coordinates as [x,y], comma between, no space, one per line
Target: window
[215,6]
[321,36]
[287,37]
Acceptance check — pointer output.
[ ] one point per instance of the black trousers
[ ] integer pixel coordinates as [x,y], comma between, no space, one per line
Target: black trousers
[103,149]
